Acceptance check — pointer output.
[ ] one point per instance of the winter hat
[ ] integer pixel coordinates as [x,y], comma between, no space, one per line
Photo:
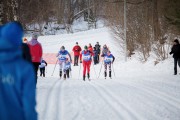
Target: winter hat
[62,48]
[35,36]
[85,47]
[176,41]
[76,43]
[13,32]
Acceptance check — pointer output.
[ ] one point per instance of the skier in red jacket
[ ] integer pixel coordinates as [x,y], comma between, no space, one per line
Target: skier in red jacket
[86,57]
[76,49]
[36,53]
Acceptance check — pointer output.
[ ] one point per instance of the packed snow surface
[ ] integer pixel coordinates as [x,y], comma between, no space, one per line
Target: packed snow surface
[137,91]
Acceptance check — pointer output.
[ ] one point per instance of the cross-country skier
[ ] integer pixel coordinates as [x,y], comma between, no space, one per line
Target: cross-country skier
[62,55]
[104,50]
[95,57]
[76,50]
[108,60]
[42,66]
[98,48]
[86,57]
[67,68]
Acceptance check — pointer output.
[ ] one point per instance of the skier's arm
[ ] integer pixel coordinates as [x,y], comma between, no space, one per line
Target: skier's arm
[69,57]
[28,93]
[171,51]
[113,59]
[45,63]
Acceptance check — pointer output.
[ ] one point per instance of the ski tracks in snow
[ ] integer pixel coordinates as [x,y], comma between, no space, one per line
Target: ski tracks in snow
[53,108]
[122,109]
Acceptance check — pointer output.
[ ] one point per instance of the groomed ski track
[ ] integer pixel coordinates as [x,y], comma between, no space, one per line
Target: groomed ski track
[73,99]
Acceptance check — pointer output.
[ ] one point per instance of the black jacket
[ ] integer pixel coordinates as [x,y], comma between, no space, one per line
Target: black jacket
[175,51]
[26,52]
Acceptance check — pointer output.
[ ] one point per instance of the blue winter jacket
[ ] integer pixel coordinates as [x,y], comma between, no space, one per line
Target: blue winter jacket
[17,79]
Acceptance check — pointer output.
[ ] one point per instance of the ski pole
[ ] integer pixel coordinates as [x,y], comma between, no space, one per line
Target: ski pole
[79,71]
[100,70]
[113,71]
[54,67]
[95,71]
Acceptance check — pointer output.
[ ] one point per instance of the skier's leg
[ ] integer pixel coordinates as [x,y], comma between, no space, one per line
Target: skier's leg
[110,70]
[67,73]
[175,66]
[88,69]
[74,60]
[77,60]
[43,71]
[40,71]
[60,69]
[105,70]
[84,69]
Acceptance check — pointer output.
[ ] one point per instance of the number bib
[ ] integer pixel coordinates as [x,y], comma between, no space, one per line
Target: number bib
[86,58]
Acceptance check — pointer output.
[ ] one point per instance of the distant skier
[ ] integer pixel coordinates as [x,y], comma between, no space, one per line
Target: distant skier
[90,48]
[95,57]
[104,50]
[176,55]
[42,66]
[62,55]
[86,57]
[67,68]
[108,60]
[98,48]
[76,50]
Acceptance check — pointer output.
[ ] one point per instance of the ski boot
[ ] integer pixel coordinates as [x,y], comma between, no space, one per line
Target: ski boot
[64,76]
[84,77]
[110,74]
[60,74]
[88,76]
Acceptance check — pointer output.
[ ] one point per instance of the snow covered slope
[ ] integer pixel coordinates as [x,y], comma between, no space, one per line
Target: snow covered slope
[136,92]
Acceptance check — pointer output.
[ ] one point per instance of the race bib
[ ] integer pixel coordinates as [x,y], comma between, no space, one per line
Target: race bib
[86,57]
[62,57]
[108,59]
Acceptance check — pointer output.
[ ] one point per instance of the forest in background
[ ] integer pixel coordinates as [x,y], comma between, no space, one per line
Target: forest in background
[152,25]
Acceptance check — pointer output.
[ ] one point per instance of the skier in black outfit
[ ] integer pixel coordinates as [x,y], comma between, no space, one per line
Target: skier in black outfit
[98,49]
[95,57]
[176,55]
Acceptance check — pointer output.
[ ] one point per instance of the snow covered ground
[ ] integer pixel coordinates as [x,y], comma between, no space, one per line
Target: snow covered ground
[138,91]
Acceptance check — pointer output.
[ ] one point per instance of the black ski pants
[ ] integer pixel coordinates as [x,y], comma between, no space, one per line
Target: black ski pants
[176,61]
[42,71]
[36,66]
[76,58]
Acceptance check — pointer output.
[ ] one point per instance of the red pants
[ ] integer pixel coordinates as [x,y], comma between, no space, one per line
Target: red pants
[86,65]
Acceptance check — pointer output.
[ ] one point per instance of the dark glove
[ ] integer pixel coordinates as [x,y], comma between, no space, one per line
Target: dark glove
[170,53]
[80,61]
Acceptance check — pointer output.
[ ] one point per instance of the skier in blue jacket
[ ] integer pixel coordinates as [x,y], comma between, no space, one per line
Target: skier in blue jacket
[67,68]
[17,81]
[108,60]
[62,55]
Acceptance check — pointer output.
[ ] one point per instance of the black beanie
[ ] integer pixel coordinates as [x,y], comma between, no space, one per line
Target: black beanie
[177,41]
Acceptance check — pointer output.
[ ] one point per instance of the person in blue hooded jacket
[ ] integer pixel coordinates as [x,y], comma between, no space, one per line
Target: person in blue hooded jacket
[17,81]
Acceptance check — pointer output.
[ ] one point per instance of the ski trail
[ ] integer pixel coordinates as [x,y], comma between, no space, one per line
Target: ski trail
[53,101]
[171,100]
[118,100]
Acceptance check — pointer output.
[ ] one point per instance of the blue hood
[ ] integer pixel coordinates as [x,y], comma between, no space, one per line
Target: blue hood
[10,41]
